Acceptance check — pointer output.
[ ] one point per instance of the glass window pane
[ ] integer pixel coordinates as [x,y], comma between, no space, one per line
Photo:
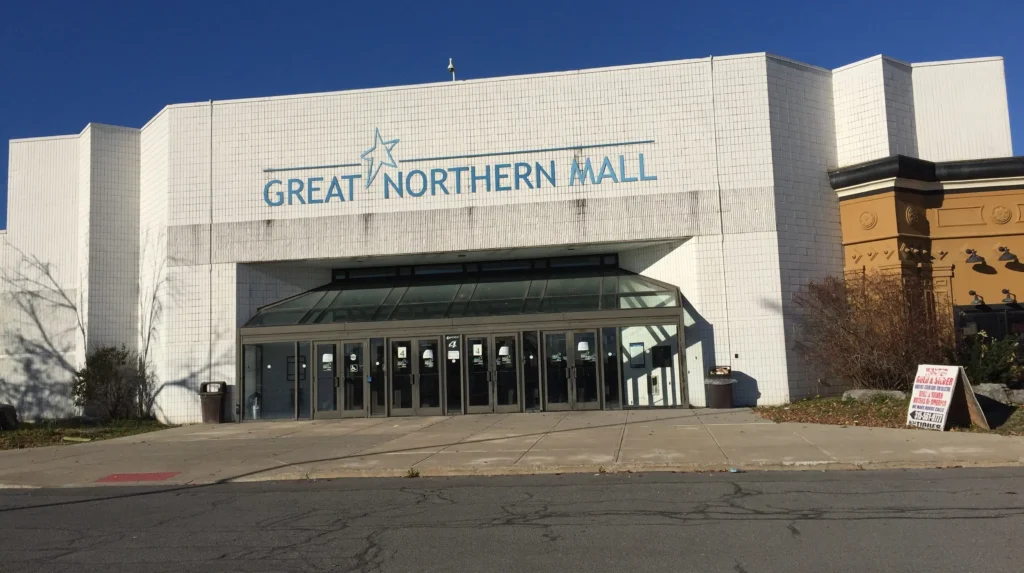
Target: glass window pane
[634,283]
[270,381]
[514,291]
[423,302]
[324,302]
[458,307]
[354,305]
[306,301]
[506,266]
[389,303]
[277,318]
[304,386]
[581,261]
[609,286]
[647,300]
[572,295]
[651,366]
[495,298]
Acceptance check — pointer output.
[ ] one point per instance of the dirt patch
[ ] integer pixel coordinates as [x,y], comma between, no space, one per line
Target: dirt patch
[879,413]
[70,432]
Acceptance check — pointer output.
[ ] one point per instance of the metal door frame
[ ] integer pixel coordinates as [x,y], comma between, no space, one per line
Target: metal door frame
[467,407]
[491,353]
[414,348]
[363,410]
[570,344]
[341,412]
[518,406]
[598,372]
[462,369]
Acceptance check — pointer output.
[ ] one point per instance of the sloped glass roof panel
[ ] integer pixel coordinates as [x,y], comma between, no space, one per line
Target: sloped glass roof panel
[425,301]
[496,293]
[494,298]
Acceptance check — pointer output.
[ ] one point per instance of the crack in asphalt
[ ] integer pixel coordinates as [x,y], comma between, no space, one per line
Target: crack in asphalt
[364,529]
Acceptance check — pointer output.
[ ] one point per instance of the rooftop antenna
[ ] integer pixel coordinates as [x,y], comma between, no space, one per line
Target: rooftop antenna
[451,68]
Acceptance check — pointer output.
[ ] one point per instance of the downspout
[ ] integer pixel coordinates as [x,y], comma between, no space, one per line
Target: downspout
[721,218]
[209,254]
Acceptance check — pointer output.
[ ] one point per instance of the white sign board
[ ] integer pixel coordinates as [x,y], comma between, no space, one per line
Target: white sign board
[932,396]
[938,391]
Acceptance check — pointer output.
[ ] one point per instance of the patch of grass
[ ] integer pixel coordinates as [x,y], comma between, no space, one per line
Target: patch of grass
[879,413]
[53,432]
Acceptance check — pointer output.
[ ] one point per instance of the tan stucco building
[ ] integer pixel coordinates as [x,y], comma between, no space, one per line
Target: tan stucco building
[960,223]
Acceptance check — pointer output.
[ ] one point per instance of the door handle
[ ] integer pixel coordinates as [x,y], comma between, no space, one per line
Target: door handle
[337,382]
[412,379]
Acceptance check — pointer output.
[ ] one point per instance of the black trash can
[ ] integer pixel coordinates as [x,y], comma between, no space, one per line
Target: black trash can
[719,385]
[212,396]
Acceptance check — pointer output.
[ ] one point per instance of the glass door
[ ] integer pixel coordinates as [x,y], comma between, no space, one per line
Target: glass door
[556,371]
[326,380]
[452,374]
[427,384]
[478,376]
[505,374]
[415,377]
[586,385]
[493,373]
[403,372]
[571,372]
[353,380]
[339,379]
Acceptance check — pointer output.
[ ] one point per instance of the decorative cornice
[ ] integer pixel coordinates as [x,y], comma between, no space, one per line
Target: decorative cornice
[901,167]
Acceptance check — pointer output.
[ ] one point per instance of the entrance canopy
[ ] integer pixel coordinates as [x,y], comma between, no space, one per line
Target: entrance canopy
[502,288]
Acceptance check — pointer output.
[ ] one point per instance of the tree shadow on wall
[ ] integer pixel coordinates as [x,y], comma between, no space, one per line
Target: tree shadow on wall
[41,334]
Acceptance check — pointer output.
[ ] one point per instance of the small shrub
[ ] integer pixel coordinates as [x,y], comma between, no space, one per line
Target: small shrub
[115,383]
[989,360]
[871,330]
[412,473]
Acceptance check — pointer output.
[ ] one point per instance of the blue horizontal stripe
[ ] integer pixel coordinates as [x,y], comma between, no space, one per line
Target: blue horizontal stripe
[340,165]
[522,151]
[469,156]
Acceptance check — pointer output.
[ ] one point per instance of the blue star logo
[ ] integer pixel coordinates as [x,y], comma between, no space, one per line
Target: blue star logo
[378,156]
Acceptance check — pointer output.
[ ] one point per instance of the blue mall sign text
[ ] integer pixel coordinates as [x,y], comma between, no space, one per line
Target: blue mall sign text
[455,181]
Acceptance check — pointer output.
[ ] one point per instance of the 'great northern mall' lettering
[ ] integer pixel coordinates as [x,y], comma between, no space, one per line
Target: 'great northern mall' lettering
[499,177]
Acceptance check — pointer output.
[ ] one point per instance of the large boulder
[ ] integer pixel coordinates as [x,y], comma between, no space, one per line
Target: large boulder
[871,395]
[8,417]
[995,392]
[1015,397]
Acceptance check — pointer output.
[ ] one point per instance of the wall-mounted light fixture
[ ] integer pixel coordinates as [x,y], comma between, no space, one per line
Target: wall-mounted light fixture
[973,258]
[1009,297]
[1006,255]
[978,299]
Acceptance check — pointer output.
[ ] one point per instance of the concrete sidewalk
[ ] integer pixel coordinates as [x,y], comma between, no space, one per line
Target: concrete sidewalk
[669,440]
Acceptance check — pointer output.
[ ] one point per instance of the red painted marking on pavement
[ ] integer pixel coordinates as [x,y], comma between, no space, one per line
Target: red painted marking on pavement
[155,476]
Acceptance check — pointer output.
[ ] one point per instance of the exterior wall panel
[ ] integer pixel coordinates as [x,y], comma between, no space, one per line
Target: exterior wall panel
[167,242]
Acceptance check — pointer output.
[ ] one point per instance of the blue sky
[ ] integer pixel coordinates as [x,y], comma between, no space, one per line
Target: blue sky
[67,63]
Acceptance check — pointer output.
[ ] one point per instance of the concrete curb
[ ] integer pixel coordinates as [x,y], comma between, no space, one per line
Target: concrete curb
[466,471]
[628,468]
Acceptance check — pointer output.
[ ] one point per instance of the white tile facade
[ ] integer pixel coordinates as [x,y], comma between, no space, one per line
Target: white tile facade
[939,111]
[962,110]
[735,152]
